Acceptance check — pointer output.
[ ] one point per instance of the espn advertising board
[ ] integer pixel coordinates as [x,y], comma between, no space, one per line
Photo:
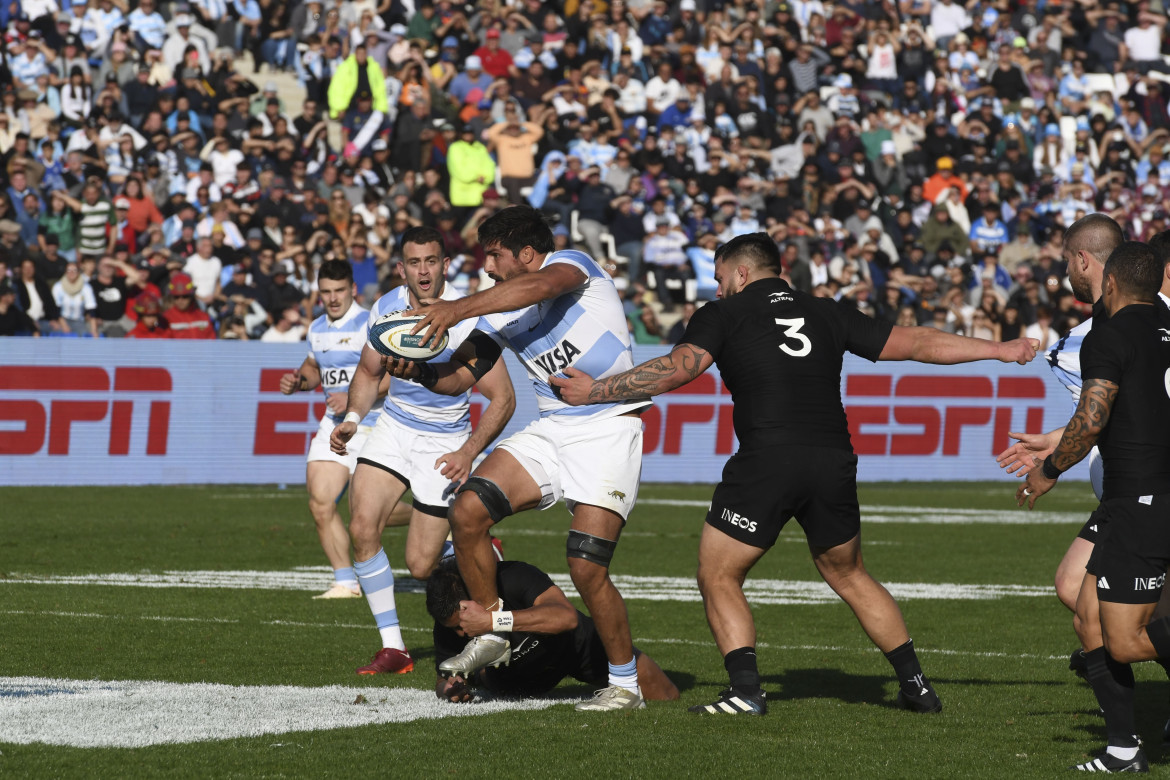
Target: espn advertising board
[83,412]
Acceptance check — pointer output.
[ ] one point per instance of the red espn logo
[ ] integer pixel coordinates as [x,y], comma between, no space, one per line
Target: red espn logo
[53,418]
[296,410]
[940,422]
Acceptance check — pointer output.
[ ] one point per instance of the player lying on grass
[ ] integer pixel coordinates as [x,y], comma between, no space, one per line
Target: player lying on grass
[551,639]
[779,352]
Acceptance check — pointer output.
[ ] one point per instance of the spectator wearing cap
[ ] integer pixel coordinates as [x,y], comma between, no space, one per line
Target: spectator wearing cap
[1156,161]
[465,83]
[13,320]
[359,78]
[496,60]
[940,229]
[183,318]
[283,293]
[943,179]
[593,205]
[174,51]
[75,300]
[150,324]
[512,140]
[470,168]
[988,232]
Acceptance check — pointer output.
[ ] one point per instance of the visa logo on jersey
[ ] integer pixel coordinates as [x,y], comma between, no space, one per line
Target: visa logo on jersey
[335,377]
[557,358]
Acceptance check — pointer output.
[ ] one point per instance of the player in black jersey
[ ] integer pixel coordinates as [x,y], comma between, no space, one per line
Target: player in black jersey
[551,639]
[780,352]
[1124,409]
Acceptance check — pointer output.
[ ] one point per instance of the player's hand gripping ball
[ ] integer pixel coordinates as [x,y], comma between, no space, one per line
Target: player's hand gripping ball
[390,336]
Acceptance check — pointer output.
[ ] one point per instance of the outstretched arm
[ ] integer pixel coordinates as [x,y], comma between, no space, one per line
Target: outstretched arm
[472,361]
[929,345]
[516,293]
[1081,433]
[654,377]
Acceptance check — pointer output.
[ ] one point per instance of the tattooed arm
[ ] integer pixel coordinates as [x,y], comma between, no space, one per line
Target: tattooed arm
[1081,433]
[654,377]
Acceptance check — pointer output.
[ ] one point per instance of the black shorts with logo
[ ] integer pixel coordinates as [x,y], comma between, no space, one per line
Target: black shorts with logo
[1133,550]
[764,488]
[1091,530]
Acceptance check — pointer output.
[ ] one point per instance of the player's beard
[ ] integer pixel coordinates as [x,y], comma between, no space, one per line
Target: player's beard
[1082,289]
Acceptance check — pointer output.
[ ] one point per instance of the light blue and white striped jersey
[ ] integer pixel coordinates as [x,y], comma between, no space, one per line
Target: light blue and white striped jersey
[1065,359]
[409,402]
[585,329]
[337,348]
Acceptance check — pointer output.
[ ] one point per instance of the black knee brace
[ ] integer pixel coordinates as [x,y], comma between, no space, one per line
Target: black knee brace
[494,500]
[590,548]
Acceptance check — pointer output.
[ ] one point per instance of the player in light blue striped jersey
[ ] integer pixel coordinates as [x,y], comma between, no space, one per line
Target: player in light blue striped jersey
[423,441]
[554,310]
[335,340]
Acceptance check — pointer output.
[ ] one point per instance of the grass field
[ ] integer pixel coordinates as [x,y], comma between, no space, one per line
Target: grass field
[217,585]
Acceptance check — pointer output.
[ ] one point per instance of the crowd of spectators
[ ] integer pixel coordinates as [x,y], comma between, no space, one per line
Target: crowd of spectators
[917,159]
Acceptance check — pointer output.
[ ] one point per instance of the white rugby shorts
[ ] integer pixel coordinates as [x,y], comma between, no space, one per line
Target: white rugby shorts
[410,455]
[319,446]
[599,463]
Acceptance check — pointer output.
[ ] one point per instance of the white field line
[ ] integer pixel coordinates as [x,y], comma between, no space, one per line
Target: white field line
[870,514]
[641,640]
[131,713]
[676,589]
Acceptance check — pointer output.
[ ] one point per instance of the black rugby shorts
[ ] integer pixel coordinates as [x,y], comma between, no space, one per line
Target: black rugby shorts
[1133,550]
[763,489]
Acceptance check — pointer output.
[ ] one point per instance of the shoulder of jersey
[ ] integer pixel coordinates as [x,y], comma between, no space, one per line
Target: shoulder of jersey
[320,322]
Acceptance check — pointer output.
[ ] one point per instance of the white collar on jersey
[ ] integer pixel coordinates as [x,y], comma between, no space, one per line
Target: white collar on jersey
[354,310]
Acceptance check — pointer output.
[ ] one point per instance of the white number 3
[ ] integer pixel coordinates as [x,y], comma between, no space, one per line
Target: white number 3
[793,332]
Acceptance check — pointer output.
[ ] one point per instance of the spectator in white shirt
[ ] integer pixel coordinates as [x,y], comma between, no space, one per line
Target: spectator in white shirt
[74,297]
[205,270]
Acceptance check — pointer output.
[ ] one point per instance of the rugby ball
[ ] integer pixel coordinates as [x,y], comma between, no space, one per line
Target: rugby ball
[390,335]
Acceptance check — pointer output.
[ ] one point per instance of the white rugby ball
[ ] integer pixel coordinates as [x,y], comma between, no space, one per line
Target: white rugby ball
[390,335]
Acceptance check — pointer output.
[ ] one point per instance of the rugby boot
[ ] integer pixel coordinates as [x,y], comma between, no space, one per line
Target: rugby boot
[388,660]
[730,702]
[479,653]
[923,700]
[614,697]
[1112,764]
[339,591]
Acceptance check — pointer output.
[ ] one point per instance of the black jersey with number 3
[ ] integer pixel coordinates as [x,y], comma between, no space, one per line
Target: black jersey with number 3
[1132,350]
[780,353]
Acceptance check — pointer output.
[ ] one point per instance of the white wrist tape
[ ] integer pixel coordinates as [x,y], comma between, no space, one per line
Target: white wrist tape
[501,621]
[352,417]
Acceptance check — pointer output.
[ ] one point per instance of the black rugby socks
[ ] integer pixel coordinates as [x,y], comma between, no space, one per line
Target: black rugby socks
[906,667]
[1112,684]
[741,668]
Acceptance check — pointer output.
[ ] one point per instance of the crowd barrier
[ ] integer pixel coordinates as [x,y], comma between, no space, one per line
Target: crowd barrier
[82,412]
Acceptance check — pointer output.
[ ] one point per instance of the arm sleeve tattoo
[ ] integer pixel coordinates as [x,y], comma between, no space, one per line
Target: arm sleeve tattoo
[660,375]
[1090,418]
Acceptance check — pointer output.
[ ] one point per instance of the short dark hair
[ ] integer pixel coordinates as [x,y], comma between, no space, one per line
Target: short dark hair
[424,235]
[756,249]
[445,589]
[1160,243]
[337,270]
[1137,270]
[1098,234]
[515,228]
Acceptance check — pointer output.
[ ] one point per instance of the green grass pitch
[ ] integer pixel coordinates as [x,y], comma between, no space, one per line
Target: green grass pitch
[999,663]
